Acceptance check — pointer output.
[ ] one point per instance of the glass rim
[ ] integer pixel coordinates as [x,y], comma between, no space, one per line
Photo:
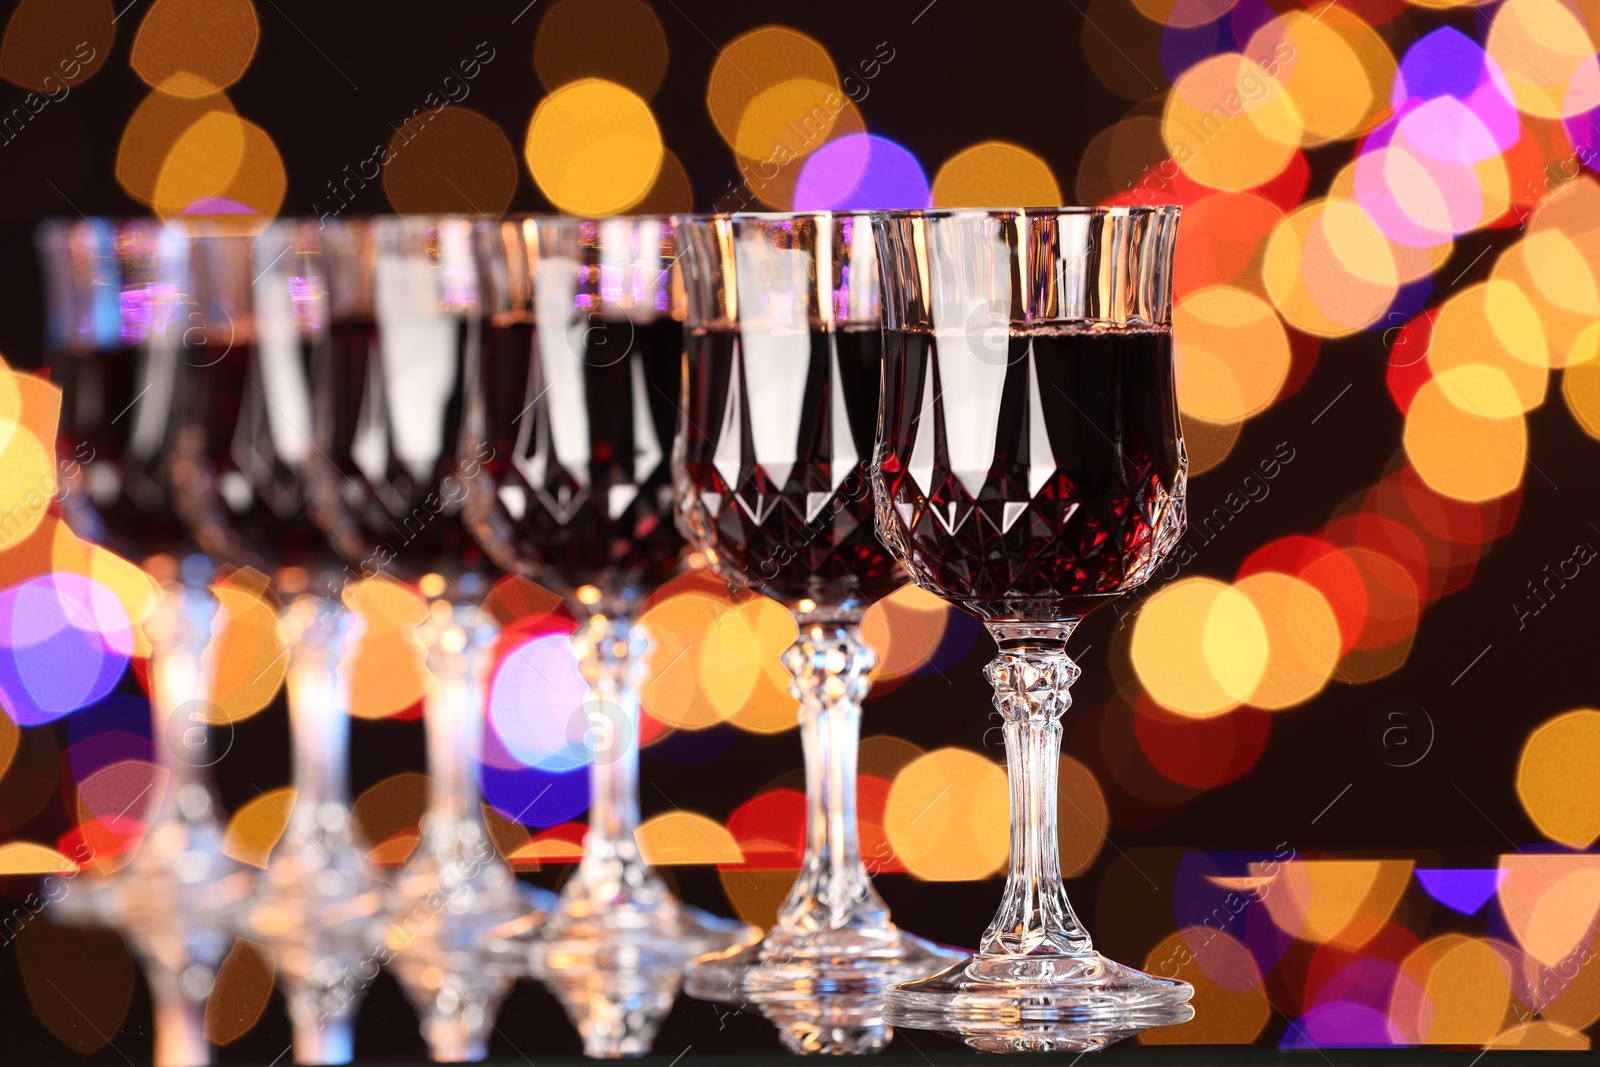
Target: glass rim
[770,216]
[1103,211]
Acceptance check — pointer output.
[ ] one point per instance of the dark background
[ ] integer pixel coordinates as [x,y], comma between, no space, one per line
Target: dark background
[965,71]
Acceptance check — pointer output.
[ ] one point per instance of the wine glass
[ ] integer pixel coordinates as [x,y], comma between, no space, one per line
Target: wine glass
[1030,468]
[574,402]
[385,482]
[176,900]
[247,327]
[783,355]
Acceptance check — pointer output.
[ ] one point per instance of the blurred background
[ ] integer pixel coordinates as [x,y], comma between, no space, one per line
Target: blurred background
[1336,768]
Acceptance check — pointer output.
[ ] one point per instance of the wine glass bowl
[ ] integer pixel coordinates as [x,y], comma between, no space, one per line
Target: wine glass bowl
[1030,469]
[783,366]
[576,403]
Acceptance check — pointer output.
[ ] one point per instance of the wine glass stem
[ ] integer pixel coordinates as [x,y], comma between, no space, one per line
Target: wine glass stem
[830,664]
[180,1038]
[611,649]
[1031,691]
[179,689]
[453,714]
[319,724]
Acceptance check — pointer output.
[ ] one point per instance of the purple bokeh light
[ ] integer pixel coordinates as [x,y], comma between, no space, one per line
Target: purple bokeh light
[862,172]
[65,641]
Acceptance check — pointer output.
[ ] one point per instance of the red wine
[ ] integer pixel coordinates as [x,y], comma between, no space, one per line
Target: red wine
[115,419]
[241,437]
[1041,488]
[576,484]
[776,459]
[385,481]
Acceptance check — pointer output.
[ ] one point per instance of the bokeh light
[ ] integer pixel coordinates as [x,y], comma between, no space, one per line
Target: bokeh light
[458,163]
[619,40]
[947,814]
[995,172]
[195,47]
[49,44]
[1555,781]
[593,147]
[1200,647]
[861,172]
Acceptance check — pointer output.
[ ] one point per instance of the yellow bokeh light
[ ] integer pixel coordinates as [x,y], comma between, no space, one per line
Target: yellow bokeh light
[247,653]
[201,162]
[904,629]
[1328,269]
[995,172]
[1337,71]
[1228,124]
[27,858]
[1082,818]
[155,128]
[1452,990]
[686,837]
[689,630]
[1461,453]
[385,666]
[256,827]
[1229,1005]
[947,816]
[792,116]
[1544,50]
[136,591]
[1580,388]
[10,737]
[10,404]
[1233,352]
[1541,1034]
[195,47]
[1550,902]
[593,147]
[757,61]
[1556,781]
[1302,639]
[769,708]
[1552,274]
[27,485]
[1492,324]
[1199,647]
[1340,902]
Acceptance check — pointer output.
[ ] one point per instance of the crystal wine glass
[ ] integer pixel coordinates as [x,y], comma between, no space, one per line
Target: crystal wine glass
[576,399]
[386,484]
[109,349]
[248,326]
[1030,468]
[784,349]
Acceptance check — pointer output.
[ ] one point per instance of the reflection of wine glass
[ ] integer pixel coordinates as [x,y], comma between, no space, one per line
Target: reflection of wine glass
[617,1010]
[783,371]
[385,482]
[575,401]
[176,899]
[249,322]
[1030,468]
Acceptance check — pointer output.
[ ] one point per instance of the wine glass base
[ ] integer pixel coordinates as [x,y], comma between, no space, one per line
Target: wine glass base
[1039,1003]
[786,967]
[670,935]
